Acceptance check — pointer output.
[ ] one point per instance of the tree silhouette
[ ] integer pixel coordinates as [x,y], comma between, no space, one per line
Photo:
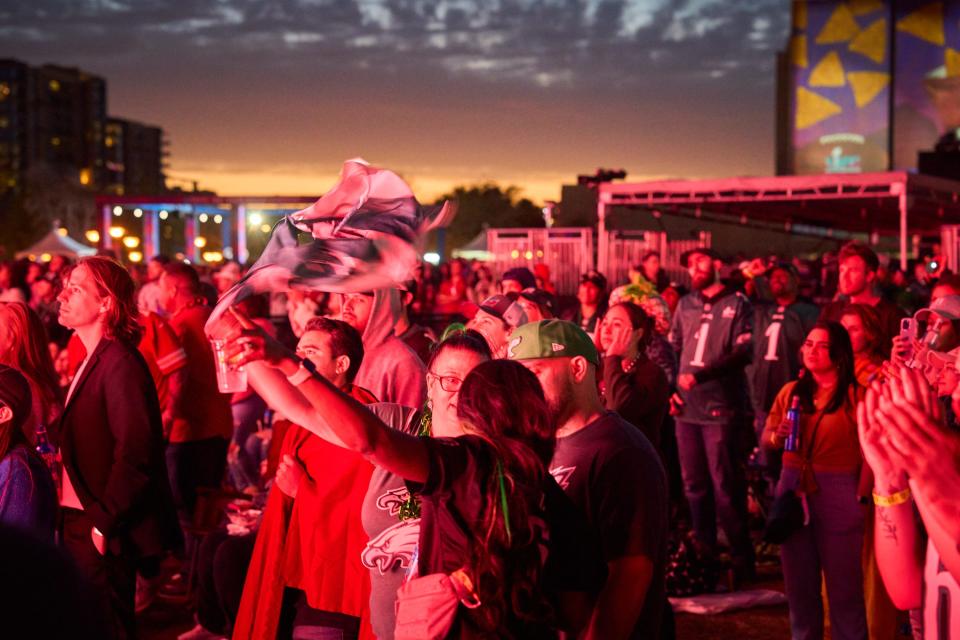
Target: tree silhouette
[485,206]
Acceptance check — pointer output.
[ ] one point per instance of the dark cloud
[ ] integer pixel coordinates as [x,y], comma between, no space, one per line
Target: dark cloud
[584,79]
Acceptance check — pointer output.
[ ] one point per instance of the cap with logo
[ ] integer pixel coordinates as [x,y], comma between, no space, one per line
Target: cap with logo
[505,308]
[551,339]
[947,307]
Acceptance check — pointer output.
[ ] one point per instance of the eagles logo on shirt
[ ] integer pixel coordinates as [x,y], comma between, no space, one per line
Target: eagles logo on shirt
[394,546]
[392,500]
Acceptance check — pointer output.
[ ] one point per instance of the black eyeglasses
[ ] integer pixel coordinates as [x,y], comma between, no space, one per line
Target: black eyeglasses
[450,384]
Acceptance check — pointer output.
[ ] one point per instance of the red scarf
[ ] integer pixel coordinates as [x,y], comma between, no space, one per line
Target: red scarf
[312,543]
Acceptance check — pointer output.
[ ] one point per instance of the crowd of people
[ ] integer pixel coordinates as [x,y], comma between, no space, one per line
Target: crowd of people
[474,455]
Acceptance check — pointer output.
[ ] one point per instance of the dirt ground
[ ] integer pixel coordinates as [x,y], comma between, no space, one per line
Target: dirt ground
[165,620]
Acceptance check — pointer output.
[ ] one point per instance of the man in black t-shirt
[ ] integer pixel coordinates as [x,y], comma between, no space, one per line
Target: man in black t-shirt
[610,471]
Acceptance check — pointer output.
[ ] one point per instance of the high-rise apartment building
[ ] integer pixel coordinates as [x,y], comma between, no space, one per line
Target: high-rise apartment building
[54,124]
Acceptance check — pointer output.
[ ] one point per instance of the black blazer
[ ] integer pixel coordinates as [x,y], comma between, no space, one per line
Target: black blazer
[112,447]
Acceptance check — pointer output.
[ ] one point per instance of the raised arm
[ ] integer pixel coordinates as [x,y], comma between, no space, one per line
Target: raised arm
[895,528]
[333,412]
[920,443]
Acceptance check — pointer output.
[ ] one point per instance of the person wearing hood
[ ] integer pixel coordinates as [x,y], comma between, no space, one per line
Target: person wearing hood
[391,370]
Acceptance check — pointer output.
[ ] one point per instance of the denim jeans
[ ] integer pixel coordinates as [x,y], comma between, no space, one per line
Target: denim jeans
[829,546]
[714,485]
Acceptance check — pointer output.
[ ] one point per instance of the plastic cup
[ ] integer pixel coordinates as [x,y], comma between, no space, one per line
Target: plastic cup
[230,379]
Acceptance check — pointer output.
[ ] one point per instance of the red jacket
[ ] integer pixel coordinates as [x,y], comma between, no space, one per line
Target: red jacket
[312,543]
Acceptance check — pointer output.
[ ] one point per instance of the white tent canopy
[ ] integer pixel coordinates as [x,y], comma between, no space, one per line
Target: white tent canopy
[55,244]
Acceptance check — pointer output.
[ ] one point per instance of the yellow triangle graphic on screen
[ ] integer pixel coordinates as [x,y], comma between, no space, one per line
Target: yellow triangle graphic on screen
[863,7]
[841,27]
[872,41]
[925,23]
[798,51]
[799,14]
[952,62]
[867,85]
[813,108]
[828,72]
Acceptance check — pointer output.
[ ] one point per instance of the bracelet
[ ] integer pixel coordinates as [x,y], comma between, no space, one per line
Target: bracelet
[304,372]
[900,497]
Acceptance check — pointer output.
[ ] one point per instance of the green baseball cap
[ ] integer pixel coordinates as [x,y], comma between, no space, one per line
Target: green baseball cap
[551,339]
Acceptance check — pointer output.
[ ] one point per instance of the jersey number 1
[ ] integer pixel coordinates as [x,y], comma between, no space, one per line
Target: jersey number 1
[701,345]
[773,338]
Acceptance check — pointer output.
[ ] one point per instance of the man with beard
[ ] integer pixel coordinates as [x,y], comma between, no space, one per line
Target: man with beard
[781,325]
[610,471]
[712,334]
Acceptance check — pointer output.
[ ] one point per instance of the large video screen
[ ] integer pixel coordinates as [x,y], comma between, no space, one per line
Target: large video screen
[840,76]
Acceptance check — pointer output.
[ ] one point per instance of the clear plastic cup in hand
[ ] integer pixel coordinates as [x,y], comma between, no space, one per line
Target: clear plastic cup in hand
[230,378]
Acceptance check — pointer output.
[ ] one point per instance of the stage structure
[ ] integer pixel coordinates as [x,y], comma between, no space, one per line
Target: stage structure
[895,203]
[232,215]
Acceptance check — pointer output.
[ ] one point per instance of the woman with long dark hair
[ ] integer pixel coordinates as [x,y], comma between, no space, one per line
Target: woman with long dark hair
[824,470]
[633,385]
[390,513]
[486,500]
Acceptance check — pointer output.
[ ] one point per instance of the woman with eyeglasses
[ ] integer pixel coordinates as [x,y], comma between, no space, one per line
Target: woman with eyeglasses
[824,470]
[475,496]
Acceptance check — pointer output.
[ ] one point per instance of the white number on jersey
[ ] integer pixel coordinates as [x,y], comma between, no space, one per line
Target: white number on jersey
[701,346]
[773,341]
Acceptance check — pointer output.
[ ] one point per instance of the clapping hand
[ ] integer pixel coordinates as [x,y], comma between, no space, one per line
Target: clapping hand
[903,434]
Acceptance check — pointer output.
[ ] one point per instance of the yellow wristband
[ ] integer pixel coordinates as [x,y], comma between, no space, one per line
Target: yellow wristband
[892,500]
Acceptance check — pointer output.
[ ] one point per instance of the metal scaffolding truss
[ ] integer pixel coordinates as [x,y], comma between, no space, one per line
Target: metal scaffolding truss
[894,202]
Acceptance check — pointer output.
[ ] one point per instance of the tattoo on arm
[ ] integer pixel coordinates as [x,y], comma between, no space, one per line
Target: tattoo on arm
[888,527]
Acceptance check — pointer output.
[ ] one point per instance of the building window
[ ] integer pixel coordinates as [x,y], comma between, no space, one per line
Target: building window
[54,85]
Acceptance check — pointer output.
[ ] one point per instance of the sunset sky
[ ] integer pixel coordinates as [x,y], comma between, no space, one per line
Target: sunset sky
[271,97]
